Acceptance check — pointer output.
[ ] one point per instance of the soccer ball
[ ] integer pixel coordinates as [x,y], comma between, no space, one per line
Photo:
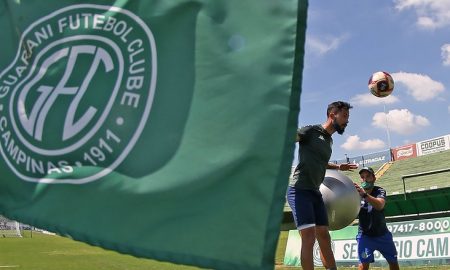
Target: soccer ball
[381,84]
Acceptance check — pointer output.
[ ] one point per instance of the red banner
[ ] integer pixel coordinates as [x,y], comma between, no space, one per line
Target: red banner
[404,152]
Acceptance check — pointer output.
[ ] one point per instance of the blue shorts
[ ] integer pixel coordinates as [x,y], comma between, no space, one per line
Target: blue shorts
[307,207]
[384,244]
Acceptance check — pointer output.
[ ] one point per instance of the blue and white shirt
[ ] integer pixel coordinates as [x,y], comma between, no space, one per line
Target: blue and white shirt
[372,222]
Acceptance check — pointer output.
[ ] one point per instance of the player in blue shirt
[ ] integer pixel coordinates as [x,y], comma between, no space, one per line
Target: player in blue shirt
[373,233]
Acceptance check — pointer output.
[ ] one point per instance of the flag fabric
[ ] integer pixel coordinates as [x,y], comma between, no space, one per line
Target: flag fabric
[161,129]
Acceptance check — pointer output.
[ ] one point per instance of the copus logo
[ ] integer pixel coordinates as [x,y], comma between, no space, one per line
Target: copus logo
[78,94]
[432,144]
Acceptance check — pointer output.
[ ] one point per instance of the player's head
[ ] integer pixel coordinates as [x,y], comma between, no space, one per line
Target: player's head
[367,177]
[339,112]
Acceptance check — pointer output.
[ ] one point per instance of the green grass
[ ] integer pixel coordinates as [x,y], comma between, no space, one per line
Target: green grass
[47,252]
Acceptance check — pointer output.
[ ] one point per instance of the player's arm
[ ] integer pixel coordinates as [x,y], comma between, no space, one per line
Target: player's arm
[342,166]
[333,166]
[377,203]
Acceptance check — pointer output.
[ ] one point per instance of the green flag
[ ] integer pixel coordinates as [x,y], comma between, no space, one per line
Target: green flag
[161,129]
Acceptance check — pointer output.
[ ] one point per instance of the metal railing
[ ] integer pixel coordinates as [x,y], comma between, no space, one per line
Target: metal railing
[420,174]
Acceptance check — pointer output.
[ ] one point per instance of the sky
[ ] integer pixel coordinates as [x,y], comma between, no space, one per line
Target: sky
[348,40]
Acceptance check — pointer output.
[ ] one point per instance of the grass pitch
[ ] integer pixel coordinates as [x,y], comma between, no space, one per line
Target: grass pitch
[49,252]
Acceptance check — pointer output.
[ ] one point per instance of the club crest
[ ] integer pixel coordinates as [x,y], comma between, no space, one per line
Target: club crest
[77,95]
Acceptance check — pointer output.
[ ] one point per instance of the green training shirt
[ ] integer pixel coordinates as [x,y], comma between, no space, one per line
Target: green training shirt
[314,154]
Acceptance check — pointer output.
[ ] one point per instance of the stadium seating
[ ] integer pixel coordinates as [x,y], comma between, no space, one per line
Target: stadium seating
[392,178]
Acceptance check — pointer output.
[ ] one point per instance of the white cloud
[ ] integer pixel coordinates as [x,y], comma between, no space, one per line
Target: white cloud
[371,100]
[420,86]
[323,45]
[431,14]
[445,53]
[354,143]
[448,108]
[401,121]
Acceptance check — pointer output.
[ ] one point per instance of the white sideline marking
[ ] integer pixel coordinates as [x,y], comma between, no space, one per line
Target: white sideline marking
[9,266]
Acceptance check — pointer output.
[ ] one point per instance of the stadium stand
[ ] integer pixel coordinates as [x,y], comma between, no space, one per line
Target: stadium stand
[392,178]
[380,172]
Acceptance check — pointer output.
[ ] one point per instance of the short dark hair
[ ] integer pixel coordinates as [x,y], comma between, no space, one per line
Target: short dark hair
[338,106]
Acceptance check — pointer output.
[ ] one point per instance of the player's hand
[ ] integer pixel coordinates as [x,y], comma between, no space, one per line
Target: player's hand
[348,166]
[360,190]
